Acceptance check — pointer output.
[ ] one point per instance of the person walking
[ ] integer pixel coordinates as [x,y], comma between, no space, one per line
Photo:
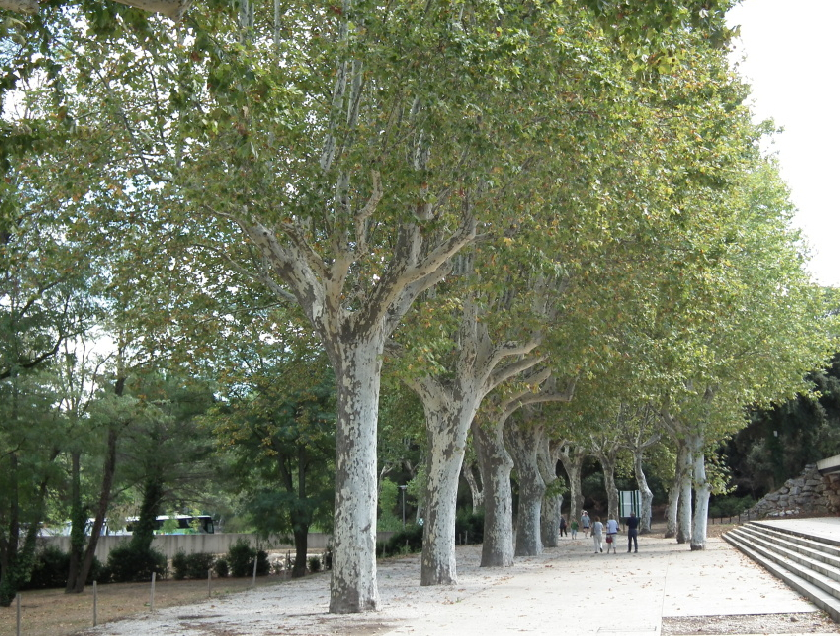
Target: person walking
[563,530]
[574,529]
[597,534]
[632,532]
[584,523]
[612,531]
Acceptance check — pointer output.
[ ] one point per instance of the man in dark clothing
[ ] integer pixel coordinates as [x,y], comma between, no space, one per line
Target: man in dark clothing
[632,531]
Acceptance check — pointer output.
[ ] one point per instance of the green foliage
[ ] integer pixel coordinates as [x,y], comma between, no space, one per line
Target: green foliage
[404,541]
[314,563]
[240,558]
[470,525]
[221,568]
[192,566]
[729,505]
[130,563]
[51,567]
[389,495]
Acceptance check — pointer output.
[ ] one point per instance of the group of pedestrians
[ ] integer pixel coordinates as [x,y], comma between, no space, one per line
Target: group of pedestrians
[597,530]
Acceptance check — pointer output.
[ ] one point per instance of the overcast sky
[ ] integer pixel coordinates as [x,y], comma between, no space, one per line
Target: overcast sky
[793,64]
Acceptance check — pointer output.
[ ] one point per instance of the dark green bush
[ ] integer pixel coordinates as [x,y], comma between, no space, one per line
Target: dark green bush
[221,568]
[179,565]
[198,564]
[127,563]
[729,506]
[240,558]
[315,563]
[410,539]
[52,567]
[469,525]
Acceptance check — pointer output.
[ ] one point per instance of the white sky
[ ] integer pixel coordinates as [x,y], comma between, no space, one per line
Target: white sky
[793,64]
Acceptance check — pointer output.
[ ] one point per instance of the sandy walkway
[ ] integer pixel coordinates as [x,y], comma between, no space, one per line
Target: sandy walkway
[567,586]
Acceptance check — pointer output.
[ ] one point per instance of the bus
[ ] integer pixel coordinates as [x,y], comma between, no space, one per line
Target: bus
[177,524]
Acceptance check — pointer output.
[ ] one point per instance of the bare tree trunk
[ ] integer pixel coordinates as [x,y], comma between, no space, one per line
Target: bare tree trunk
[475,488]
[572,459]
[523,442]
[552,506]
[702,490]
[684,506]
[646,493]
[354,587]
[496,464]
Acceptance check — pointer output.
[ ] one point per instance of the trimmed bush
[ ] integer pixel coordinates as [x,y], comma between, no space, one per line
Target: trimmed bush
[471,525]
[51,568]
[315,563]
[408,540]
[240,558]
[128,564]
[221,568]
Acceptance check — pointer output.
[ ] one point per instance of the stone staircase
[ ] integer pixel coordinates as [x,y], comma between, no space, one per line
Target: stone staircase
[808,564]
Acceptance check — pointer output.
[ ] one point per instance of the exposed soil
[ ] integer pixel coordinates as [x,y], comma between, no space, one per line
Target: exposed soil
[810,623]
[54,613]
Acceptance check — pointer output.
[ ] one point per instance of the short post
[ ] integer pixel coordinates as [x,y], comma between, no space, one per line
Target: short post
[402,488]
[254,573]
[152,598]
[17,602]
[209,578]
[94,603]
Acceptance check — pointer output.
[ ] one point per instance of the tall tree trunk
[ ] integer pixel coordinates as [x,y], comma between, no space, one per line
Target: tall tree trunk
[446,454]
[646,492]
[354,586]
[77,520]
[523,442]
[301,517]
[552,505]
[572,460]
[607,461]
[108,471]
[496,464]
[475,488]
[702,490]
[684,505]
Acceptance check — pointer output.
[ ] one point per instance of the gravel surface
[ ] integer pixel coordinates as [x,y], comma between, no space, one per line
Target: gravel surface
[739,624]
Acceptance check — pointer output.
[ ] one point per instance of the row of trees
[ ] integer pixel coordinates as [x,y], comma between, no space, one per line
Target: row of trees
[550,221]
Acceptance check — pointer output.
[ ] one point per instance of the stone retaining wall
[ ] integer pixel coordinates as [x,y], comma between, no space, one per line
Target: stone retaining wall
[808,494]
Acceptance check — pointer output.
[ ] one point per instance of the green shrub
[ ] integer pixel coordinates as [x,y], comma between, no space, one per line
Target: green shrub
[51,568]
[469,525]
[198,564]
[221,568]
[240,558]
[315,563]
[408,540]
[128,564]
[179,565]
[729,506]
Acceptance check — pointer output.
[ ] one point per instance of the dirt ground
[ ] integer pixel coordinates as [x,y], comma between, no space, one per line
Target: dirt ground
[53,613]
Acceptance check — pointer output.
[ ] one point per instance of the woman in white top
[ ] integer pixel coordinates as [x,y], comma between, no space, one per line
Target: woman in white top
[597,533]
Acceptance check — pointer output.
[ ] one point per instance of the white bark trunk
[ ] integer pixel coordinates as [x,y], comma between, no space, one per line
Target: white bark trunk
[523,442]
[684,506]
[172,9]
[702,491]
[607,461]
[446,433]
[646,493]
[496,464]
[354,587]
[552,506]
[572,460]
[20,6]
[672,513]
[475,487]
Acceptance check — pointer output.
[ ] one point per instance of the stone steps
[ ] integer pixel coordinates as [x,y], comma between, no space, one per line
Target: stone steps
[810,565]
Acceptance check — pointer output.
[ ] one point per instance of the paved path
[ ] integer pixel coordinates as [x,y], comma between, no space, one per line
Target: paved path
[566,590]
